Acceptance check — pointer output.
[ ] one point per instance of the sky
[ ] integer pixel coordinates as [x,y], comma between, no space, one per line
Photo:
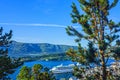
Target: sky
[40,21]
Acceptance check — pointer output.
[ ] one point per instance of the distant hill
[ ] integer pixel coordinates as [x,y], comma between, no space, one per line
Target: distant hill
[18,49]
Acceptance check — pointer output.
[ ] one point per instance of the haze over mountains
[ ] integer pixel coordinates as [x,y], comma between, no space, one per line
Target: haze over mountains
[18,49]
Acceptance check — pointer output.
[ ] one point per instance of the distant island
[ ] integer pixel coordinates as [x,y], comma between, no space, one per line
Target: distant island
[38,51]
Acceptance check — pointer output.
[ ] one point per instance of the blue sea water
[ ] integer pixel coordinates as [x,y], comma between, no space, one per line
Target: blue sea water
[49,64]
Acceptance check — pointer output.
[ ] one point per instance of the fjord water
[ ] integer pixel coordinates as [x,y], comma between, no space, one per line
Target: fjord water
[48,64]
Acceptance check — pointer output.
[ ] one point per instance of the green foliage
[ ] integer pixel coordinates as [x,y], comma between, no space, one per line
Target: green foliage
[36,73]
[101,34]
[48,57]
[84,56]
[7,64]
[25,73]
[36,68]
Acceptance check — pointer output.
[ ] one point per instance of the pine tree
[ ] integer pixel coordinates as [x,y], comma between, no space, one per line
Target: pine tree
[36,73]
[25,74]
[98,30]
[7,64]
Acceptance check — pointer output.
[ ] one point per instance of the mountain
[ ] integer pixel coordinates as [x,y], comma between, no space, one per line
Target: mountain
[18,49]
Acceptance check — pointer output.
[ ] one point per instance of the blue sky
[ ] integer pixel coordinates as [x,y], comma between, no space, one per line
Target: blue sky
[40,21]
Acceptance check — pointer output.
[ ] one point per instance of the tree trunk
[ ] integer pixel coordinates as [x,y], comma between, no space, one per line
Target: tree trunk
[102,52]
[104,76]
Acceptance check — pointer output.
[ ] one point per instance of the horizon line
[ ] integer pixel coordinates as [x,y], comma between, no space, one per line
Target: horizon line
[43,43]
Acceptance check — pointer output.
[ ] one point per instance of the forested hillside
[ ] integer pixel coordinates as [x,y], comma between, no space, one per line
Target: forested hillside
[18,49]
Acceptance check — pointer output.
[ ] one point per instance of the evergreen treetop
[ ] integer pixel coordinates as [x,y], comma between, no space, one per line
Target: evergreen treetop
[101,33]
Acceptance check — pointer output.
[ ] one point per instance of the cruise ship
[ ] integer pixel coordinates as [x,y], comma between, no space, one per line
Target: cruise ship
[62,69]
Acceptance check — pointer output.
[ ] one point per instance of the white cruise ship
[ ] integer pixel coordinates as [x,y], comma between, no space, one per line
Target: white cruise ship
[62,69]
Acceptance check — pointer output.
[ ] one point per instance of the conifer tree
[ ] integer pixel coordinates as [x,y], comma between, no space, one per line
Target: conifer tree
[7,64]
[101,33]
[36,73]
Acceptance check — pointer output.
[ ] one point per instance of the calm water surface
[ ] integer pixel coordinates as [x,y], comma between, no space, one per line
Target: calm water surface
[48,64]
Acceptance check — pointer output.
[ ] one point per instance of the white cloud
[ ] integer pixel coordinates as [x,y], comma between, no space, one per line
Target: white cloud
[19,24]
[34,24]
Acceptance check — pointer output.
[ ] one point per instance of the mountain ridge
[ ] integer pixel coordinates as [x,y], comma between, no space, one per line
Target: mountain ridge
[25,49]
